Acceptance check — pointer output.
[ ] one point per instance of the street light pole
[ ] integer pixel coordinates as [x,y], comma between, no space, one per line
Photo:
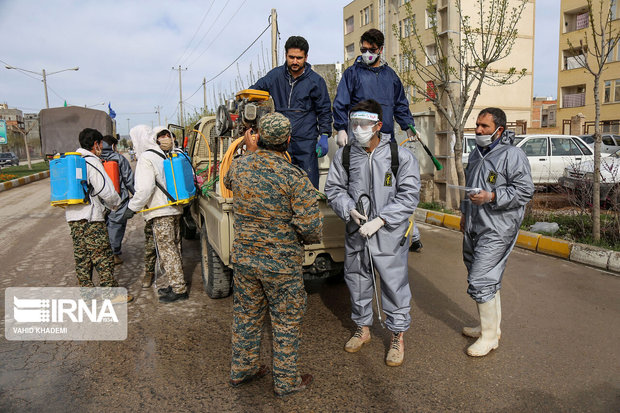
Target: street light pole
[44,75]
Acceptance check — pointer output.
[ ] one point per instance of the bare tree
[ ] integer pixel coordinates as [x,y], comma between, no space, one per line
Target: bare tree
[450,73]
[24,134]
[595,48]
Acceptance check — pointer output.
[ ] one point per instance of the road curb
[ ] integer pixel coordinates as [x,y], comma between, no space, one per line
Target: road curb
[580,253]
[5,186]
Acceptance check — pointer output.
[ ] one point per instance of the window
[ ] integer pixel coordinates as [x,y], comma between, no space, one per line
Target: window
[348,25]
[350,51]
[584,148]
[431,17]
[574,59]
[564,147]
[366,16]
[612,8]
[607,93]
[535,147]
[617,91]
[431,54]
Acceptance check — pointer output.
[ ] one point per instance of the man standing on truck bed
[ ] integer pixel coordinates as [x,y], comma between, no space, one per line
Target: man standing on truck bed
[300,94]
[276,212]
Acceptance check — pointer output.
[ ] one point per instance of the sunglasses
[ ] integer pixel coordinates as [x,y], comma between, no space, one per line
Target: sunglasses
[371,50]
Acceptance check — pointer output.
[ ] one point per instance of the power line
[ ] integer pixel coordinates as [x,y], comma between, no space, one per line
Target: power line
[207,32]
[220,32]
[196,32]
[242,53]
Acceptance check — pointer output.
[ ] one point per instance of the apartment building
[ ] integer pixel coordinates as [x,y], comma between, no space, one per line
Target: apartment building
[391,15]
[576,85]
[544,112]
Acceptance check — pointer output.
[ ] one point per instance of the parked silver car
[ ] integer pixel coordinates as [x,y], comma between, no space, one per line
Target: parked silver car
[610,143]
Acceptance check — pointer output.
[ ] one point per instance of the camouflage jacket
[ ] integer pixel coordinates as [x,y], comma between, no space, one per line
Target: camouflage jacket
[276,212]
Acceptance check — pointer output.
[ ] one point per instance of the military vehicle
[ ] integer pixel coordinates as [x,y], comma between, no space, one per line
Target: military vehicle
[211,214]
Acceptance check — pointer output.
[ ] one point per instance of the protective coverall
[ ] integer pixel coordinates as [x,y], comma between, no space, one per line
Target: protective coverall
[491,229]
[394,200]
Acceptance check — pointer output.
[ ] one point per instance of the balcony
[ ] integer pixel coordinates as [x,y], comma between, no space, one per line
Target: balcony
[574,62]
[573,100]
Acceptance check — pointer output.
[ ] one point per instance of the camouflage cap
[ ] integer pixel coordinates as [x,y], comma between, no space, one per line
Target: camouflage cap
[274,128]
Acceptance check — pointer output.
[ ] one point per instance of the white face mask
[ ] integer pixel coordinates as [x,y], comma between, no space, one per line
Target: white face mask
[485,140]
[370,58]
[363,135]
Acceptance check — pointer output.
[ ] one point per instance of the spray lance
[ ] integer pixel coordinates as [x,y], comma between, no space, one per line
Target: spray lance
[360,208]
[437,164]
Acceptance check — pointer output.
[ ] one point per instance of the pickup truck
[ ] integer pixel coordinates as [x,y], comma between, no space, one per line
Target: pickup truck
[211,213]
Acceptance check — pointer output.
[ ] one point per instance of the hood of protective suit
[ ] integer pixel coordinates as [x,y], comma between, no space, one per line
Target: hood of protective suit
[158,129]
[143,138]
[508,137]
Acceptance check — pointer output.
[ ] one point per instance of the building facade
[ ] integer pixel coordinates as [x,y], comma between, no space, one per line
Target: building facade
[575,84]
[544,112]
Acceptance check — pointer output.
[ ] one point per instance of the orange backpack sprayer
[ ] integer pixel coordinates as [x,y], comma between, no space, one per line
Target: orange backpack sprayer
[111,168]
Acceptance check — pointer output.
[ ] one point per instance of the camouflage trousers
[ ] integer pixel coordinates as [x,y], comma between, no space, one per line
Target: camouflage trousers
[91,248]
[167,234]
[256,291]
[150,255]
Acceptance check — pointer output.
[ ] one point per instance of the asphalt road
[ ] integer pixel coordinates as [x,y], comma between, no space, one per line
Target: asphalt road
[559,349]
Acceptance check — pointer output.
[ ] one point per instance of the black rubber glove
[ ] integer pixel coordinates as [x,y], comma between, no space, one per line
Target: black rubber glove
[128,214]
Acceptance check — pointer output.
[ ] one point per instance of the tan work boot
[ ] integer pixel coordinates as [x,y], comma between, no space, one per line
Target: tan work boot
[359,338]
[122,298]
[117,260]
[147,280]
[488,337]
[475,331]
[396,354]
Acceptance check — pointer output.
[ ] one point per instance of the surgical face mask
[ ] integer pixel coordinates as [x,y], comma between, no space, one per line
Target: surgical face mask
[485,140]
[363,135]
[165,143]
[370,58]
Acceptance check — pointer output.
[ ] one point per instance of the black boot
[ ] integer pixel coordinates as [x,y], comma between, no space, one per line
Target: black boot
[172,296]
[164,291]
[416,246]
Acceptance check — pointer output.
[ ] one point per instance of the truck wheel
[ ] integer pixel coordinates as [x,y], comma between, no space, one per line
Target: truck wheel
[216,277]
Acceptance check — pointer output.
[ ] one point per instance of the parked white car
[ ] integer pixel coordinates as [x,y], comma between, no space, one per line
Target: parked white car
[581,179]
[550,155]
[469,144]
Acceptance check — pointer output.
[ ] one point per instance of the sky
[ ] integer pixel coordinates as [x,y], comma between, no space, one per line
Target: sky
[126,50]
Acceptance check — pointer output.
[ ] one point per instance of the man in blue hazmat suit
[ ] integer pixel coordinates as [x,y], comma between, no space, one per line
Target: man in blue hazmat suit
[301,95]
[115,222]
[370,77]
[500,181]
[375,233]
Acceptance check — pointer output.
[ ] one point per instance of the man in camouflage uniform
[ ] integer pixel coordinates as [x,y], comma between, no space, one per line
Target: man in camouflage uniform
[276,212]
[91,245]
[150,255]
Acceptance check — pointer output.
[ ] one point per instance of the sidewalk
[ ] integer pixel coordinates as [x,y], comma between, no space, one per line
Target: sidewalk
[4,186]
[581,253]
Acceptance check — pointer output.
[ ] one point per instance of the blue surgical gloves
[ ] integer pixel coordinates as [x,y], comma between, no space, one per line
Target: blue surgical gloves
[322,147]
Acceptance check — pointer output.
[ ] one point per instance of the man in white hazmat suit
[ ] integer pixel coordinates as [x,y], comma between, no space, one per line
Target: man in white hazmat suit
[500,179]
[392,198]
[151,147]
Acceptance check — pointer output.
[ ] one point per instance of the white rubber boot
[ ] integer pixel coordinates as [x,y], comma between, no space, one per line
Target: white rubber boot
[488,338]
[475,331]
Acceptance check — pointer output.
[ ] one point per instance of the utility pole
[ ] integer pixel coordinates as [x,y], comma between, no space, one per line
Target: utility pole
[274,39]
[181,117]
[47,102]
[204,91]
[158,111]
